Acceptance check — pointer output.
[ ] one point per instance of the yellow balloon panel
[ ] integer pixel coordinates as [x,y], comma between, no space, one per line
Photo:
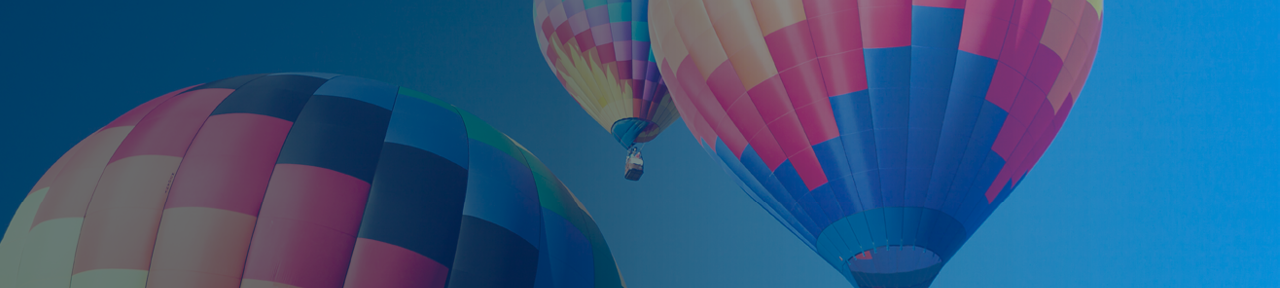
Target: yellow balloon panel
[110,278]
[49,253]
[15,238]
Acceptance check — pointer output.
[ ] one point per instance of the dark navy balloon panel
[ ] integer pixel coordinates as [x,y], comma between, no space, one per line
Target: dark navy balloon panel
[881,132]
[302,180]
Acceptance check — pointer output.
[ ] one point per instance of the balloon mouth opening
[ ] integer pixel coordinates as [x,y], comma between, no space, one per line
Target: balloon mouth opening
[893,259]
[895,266]
[630,131]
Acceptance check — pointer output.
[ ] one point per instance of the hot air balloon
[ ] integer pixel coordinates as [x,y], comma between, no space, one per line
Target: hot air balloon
[301,180]
[881,133]
[600,52]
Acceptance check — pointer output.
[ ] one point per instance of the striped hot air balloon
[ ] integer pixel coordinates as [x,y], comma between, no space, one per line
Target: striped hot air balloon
[600,52]
[881,132]
[301,180]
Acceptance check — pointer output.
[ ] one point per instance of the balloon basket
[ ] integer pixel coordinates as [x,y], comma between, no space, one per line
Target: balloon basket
[634,166]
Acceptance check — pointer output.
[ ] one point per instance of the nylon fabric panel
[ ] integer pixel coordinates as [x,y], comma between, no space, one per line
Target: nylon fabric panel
[416,203]
[54,170]
[831,156]
[935,41]
[124,214]
[478,130]
[734,24]
[49,255]
[134,115]
[553,195]
[110,278]
[15,237]
[200,247]
[119,231]
[755,187]
[249,283]
[885,23]
[492,256]
[811,215]
[983,135]
[220,184]
[543,277]
[169,127]
[337,133]
[964,106]
[429,127]
[975,197]
[381,265]
[70,192]
[757,168]
[316,197]
[420,96]
[698,126]
[1043,143]
[570,254]
[501,190]
[1049,66]
[673,66]
[888,76]
[280,96]
[607,274]
[368,91]
[715,115]
[307,229]
[556,198]
[241,147]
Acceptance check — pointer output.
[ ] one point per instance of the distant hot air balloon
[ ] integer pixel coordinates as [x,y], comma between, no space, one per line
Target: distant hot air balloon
[600,51]
[301,180]
[881,132]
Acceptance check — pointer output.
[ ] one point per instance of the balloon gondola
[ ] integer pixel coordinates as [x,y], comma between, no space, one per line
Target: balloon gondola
[635,164]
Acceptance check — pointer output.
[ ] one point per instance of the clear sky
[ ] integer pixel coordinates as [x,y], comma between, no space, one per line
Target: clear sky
[1165,174]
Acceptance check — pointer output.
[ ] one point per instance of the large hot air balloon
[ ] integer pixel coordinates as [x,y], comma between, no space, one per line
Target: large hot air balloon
[301,180]
[881,132]
[600,52]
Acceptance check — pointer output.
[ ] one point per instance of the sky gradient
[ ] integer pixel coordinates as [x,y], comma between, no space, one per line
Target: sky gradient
[1164,175]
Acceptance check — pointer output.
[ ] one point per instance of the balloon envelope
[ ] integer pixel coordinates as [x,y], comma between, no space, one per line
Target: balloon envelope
[301,180]
[600,52]
[881,132]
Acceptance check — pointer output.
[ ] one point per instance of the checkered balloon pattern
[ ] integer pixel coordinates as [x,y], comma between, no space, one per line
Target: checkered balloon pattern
[882,133]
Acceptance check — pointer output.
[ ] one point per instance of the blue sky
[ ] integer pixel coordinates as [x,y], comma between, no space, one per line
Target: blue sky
[1165,174]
